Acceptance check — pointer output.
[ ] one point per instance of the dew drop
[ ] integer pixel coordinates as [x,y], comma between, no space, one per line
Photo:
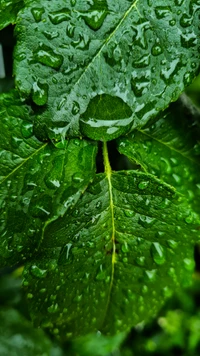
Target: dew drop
[77,178]
[75,108]
[40,93]
[106,118]
[157,253]
[26,129]
[38,272]
[96,14]
[37,13]
[143,185]
[189,264]
[47,56]
[59,16]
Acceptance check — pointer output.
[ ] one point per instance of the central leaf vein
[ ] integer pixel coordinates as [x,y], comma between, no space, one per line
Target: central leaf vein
[108,172]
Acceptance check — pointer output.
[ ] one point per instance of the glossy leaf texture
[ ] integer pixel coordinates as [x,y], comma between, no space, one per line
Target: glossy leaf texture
[39,181]
[111,261]
[72,54]
[8,11]
[168,147]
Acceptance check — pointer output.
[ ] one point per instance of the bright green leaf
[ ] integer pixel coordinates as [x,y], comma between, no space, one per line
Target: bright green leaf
[8,11]
[141,53]
[111,262]
[169,148]
[38,182]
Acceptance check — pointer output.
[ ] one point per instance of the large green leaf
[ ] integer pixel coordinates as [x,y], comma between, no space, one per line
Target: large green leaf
[169,148]
[38,181]
[110,262]
[137,55]
[8,11]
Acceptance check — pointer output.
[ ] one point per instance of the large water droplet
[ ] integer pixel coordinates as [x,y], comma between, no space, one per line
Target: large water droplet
[37,13]
[59,16]
[38,272]
[26,129]
[96,14]
[47,56]
[158,253]
[40,93]
[106,118]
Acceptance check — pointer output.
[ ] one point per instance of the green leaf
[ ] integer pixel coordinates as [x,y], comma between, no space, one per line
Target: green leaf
[169,148]
[139,53]
[38,182]
[8,11]
[111,261]
[18,337]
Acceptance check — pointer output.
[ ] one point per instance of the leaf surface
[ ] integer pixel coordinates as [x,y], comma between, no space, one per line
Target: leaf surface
[168,147]
[38,182]
[8,11]
[140,53]
[110,262]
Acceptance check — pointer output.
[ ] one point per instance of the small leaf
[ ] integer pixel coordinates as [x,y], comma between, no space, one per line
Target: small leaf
[38,182]
[112,261]
[168,147]
[8,11]
[139,53]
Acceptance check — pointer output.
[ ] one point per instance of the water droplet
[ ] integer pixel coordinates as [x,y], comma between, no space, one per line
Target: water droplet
[70,30]
[40,93]
[167,292]
[51,35]
[38,272]
[189,264]
[140,260]
[37,13]
[129,213]
[125,247]
[77,178]
[81,43]
[96,14]
[53,308]
[59,16]
[150,275]
[156,50]
[73,2]
[162,11]
[29,296]
[26,129]
[75,108]
[47,56]
[146,221]
[106,118]
[189,40]
[158,254]
[172,244]
[143,185]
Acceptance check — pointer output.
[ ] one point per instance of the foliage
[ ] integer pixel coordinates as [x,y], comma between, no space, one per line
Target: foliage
[102,249]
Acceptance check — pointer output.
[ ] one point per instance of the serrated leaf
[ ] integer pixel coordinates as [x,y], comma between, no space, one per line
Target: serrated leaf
[38,182]
[112,261]
[8,11]
[141,53]
[169,148]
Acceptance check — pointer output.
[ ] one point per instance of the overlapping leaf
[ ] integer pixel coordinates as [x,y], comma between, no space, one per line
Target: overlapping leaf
[111,261]
[8,11]
[38,180]
[168,147]
[70,54]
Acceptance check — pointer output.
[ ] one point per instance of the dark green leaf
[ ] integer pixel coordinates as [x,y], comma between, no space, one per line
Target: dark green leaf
[18,337]
[38,182]
[111,262]
[169,148]
[70,53]
[8,11]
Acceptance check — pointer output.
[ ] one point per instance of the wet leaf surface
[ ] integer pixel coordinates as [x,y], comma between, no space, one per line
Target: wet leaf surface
[111,262]
[8,11]
[38,181]
[142,53]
